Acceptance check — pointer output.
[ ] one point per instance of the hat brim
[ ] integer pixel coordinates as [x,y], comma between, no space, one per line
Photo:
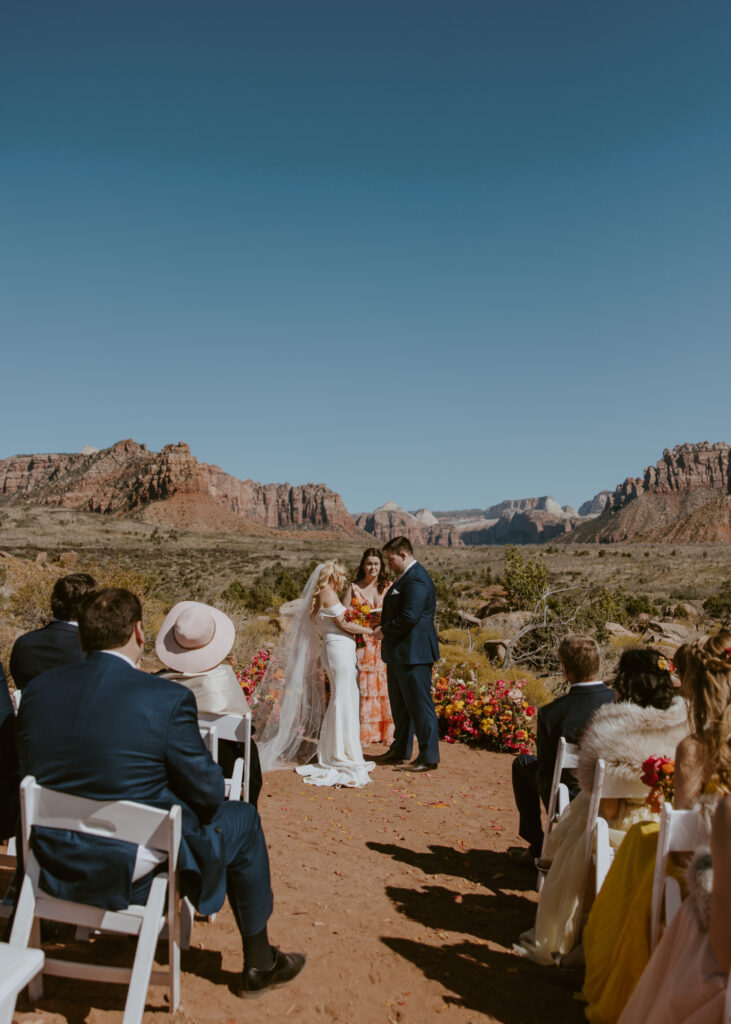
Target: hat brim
[201,659]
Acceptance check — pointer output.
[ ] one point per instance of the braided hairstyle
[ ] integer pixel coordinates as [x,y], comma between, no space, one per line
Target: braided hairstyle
[705,669]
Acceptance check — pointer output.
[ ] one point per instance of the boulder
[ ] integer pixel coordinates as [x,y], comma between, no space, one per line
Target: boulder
[614,629]
[507,623]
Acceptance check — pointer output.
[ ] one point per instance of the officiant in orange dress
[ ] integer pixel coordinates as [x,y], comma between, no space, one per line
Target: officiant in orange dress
[367,592]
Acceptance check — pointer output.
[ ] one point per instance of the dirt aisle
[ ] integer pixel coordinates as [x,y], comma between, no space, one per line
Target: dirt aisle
[399,894]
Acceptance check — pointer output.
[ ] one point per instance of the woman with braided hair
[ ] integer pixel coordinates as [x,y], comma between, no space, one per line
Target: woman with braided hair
[615,942]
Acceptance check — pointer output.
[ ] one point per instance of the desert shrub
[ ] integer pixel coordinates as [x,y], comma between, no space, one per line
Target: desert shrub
[639,604]
[718,605]
[525,579]
[446,614]
[259,597]
[235,593]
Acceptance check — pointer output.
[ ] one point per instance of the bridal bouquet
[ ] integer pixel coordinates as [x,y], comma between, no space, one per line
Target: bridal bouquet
[659,774]
[360,614]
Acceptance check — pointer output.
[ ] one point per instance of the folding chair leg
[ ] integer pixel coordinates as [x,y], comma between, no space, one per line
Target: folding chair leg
[174,946]
[35,987]
[187,916]
[142,968]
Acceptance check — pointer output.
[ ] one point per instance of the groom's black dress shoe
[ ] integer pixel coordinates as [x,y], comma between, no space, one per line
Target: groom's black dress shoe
[285,967]
[388,758]
[419,766]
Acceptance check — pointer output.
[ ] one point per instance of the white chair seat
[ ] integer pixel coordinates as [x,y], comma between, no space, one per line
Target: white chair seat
[18,966]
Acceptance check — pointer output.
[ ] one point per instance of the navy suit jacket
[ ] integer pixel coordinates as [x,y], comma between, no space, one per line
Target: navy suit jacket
[9,775]
[104,730]
[567,716]
[37,651]
[407,620]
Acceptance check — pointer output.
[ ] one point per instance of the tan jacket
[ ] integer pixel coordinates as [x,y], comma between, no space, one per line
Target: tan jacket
[217,691]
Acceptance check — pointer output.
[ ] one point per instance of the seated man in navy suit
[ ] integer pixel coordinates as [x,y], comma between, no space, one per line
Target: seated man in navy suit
[566,716]
[58,642]
[104,730]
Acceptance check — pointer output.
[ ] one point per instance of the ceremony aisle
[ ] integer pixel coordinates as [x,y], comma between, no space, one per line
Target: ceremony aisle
[401,897]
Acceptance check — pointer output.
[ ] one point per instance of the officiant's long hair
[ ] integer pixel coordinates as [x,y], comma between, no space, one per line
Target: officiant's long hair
[383,578]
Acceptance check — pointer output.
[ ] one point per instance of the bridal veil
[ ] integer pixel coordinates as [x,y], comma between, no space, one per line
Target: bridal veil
[288,706]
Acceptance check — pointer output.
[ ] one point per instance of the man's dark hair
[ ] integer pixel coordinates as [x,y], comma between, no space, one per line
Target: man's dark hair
[399,546]
[107,618]
[69,592]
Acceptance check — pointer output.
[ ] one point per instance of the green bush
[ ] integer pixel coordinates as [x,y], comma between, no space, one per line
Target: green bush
[718,605]
[525,579]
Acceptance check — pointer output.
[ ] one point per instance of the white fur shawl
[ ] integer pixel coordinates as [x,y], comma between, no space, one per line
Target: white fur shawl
[625,735]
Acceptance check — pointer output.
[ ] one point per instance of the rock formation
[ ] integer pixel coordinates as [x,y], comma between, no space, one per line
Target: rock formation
[127,478]
[516,521]
[686,496]
[390,520]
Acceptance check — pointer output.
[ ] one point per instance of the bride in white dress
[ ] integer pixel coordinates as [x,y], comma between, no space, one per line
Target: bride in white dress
[289,711]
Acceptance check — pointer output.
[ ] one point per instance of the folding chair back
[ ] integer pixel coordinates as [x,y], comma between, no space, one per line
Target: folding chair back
[597,848]
[567,756]
[680,832]
[236,728]
[159,831]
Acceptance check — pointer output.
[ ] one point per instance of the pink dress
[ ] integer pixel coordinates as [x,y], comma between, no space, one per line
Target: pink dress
[376,724]
[682,983]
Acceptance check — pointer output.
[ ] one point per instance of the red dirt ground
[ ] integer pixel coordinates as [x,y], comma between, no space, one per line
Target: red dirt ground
[401,896]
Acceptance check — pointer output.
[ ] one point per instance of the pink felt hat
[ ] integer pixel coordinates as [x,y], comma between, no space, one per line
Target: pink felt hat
[194,637]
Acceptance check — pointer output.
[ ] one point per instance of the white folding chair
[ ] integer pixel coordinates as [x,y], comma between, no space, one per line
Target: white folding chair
[238,729]
[567,756]
[680,832]
[157,830]
[18,966]
[598,851]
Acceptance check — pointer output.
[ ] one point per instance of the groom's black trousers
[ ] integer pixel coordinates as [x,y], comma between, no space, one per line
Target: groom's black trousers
[412,707]
[528,801]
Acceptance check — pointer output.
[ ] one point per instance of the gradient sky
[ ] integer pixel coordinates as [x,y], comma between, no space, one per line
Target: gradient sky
[443,253]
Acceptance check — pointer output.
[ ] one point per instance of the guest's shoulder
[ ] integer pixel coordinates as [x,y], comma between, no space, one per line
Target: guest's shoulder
[29,638]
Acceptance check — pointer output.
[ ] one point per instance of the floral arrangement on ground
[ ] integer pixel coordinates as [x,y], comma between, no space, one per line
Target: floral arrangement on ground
[494,716]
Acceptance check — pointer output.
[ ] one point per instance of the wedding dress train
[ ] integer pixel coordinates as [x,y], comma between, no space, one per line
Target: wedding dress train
[339,753]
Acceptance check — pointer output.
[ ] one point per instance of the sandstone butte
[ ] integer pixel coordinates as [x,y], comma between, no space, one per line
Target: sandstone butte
[127,477]
[685,497]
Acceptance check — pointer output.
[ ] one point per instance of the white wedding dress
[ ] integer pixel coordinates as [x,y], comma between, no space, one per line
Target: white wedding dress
[339,753]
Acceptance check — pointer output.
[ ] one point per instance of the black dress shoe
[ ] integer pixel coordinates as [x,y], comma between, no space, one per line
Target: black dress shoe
[285,967]
[419,766]
[388,758]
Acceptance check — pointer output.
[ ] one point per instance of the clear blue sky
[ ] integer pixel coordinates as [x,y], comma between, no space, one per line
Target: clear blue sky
[440,252]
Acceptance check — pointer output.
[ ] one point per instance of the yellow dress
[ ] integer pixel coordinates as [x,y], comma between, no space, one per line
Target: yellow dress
[616,936]
[617,933]
[558,917]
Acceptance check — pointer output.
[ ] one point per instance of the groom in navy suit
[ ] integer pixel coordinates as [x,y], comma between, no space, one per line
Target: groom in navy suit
[104,730]
[409,647]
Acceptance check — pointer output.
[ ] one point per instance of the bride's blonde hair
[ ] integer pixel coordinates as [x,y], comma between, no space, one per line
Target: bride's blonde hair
[332,570]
